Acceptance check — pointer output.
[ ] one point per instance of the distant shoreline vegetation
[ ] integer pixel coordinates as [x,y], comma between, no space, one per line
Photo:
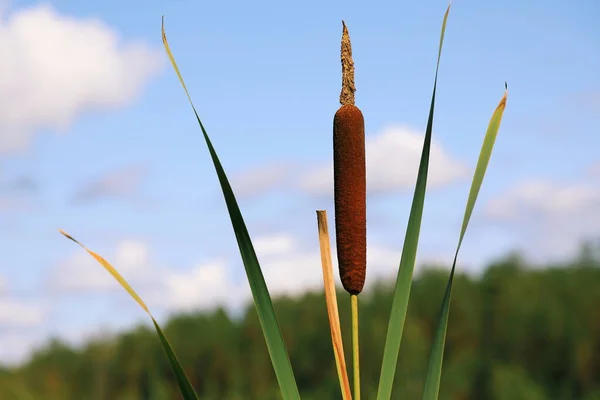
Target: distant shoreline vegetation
[542,341]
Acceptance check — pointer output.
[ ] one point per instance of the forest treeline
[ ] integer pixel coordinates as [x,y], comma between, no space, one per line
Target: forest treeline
[516,332]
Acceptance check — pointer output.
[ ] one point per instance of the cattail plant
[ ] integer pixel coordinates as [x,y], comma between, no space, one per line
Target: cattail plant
[349,179]
[350,223]
[350,195]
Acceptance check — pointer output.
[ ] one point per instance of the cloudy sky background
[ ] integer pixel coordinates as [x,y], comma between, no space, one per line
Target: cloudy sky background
[97,138]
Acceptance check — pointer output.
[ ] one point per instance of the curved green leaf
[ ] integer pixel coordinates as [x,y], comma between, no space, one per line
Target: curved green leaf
[409,253]
[186,388]
[262,300]
[434,368]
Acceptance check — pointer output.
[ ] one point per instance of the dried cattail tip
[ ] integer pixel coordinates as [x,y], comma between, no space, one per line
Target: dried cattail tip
[349,174]
[348,88]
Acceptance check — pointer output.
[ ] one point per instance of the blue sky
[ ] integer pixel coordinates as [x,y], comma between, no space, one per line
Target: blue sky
[97,138]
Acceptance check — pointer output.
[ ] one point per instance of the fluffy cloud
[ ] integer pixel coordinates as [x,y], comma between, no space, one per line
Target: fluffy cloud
[274,245]
[203,285]
[392,158]
[55,67]
[392,163]
[14,312]
[288,265]
[80,272]
[540,199]
[18,318]
[552,218]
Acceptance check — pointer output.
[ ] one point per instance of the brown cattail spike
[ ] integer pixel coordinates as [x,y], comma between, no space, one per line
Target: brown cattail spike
[349,176]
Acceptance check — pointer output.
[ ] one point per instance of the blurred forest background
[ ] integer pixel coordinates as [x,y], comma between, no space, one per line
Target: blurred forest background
[518,331]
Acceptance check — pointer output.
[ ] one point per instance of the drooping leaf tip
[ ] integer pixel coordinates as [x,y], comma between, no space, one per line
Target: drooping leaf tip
[502,103]
[162,31]
[65,234]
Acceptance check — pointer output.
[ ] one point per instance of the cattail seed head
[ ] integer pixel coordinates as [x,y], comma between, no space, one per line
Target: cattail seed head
[349,175]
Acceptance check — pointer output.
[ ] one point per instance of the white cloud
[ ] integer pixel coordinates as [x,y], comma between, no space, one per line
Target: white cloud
[289,268]
[81,272]
[543,199]
[274,244]
[55,67]
[15,312]
[298,269]
[550,217]
[204,286]
[392,158]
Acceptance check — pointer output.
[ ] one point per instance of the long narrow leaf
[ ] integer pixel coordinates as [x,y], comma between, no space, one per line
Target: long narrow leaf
[262,300]
[409,253]
[184,384]
[434,368]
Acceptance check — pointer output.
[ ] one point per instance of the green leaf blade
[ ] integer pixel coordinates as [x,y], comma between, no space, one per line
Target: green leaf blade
[262,300]
[434,369]
[409,253]
[185,387]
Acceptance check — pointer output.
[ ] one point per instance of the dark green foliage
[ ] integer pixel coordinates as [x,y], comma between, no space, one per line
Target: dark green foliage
[517,332]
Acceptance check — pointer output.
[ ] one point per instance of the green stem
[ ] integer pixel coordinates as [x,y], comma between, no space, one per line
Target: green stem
[355,361]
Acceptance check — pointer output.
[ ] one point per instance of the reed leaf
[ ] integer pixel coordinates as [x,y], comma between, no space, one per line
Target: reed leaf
[409,253]
[262,300]
[185,386]
[434,368]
